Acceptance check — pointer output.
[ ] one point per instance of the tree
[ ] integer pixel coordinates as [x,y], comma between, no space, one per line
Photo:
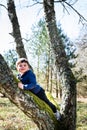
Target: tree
[38,42]
[11,56]
[67,79]
[16,33]
[81,51]
[80,69]
[28,103]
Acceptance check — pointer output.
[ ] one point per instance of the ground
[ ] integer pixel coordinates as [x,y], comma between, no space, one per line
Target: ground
[81,99]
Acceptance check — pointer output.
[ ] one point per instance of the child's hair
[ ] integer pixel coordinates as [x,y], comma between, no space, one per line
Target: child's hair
[21,60]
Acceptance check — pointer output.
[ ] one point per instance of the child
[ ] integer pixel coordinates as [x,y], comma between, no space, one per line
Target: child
[28,82]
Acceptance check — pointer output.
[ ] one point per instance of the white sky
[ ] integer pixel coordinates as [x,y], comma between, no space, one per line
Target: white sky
[28,16]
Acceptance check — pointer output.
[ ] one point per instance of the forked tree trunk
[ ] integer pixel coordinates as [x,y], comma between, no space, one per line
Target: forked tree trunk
[68,105]
[33,107]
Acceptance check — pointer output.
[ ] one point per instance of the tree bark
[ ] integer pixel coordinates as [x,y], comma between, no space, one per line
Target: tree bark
[68,105]
[31,105]
[16,28]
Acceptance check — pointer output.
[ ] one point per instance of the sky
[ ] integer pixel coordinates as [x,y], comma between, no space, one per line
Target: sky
[29,16]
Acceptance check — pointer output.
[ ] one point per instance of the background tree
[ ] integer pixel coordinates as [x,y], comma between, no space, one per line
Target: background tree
[80,69]
[11,57]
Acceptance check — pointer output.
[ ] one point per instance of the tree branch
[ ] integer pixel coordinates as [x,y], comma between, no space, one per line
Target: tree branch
[81,16]
[3,6]
[37,2]
[71,6]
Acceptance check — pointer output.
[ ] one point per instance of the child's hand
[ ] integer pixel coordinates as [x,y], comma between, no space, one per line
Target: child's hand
[20,85]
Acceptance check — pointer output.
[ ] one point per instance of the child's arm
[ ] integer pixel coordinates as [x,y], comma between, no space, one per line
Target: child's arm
[32,82]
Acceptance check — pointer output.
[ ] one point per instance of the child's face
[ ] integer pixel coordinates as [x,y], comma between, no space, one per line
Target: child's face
[22,67]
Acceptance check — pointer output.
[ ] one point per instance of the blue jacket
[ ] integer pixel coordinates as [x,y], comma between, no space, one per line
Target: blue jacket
[29,81]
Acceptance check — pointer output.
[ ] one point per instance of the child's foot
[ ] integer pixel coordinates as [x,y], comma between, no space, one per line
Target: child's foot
[57,115]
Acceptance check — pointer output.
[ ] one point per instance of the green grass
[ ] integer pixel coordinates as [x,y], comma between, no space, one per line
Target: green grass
[11,118]
[82,116]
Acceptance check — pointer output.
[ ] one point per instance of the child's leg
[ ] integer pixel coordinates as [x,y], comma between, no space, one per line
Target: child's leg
[43,96]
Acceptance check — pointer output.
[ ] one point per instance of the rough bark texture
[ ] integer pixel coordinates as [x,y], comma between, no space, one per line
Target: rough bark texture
[68,105]
[33,107]
[16,28]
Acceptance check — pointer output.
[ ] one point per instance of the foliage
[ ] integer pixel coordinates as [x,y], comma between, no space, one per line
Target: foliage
[80,69]
[38,44]
[69,46]
[11,57]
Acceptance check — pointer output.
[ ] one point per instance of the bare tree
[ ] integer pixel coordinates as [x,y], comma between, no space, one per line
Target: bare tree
[68,106]
[16,28]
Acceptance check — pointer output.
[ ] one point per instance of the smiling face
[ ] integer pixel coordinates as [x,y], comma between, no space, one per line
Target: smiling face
[22,67]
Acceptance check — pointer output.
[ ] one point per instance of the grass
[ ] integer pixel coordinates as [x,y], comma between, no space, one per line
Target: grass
[82,116]
[11,118]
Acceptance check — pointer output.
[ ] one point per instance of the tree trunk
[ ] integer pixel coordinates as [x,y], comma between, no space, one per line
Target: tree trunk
[68,105]
[31,105]
[57,84]
[38,67]
[51,78]
[16,28]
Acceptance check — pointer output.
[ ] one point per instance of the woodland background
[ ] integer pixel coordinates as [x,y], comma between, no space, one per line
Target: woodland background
[41,57]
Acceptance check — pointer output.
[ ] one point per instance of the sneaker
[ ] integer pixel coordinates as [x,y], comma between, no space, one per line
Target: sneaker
[57,115]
